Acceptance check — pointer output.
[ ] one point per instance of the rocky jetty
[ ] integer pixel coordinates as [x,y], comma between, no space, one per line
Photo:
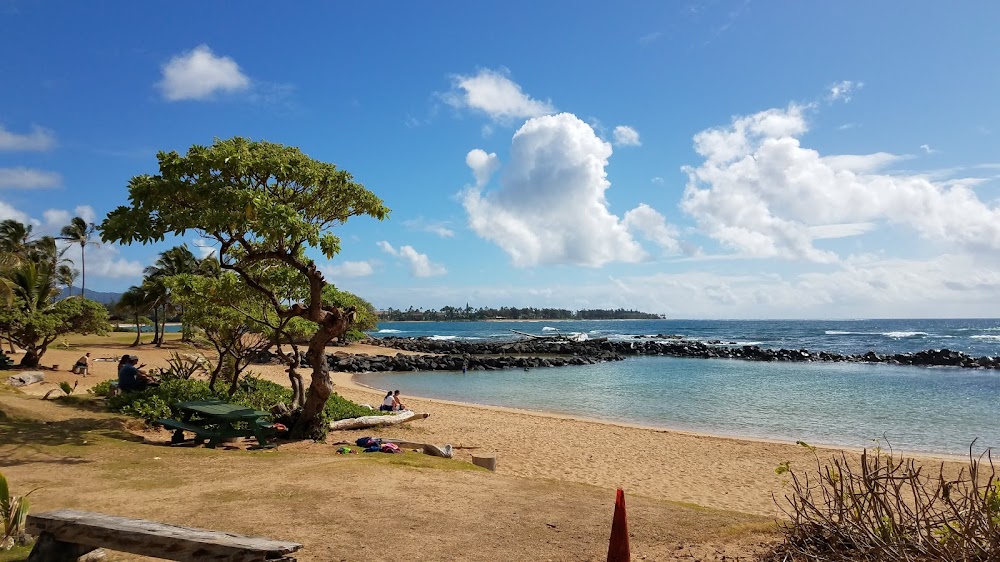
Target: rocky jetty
[543,352]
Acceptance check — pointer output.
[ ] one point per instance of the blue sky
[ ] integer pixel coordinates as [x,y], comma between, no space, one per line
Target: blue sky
[696,159]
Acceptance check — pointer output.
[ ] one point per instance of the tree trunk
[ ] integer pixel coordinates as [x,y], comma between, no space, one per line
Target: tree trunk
[31,357]
[156,324]
[298,386]
[163,328]
[138,332]
[332,323]
[83,270]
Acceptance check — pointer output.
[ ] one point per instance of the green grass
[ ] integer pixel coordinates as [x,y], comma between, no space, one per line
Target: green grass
[16,554]
[73,341]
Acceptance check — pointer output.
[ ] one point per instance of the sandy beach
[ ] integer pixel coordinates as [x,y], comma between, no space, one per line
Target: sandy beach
[710,471]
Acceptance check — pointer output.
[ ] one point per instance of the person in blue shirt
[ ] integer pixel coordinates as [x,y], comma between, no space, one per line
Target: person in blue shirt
[130,378]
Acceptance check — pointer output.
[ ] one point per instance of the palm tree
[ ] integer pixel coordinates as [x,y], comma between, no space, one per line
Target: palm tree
[175,261]
[65,276]
[34,288]
[134,302]
[79,231]
[15,236]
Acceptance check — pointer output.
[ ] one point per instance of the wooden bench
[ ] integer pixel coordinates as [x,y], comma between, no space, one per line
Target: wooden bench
[65,535]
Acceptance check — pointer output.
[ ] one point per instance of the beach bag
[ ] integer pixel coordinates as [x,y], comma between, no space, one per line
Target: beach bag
[390,448]
[368,442]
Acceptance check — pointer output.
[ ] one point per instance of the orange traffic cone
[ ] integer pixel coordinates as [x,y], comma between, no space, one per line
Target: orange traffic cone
[618,547]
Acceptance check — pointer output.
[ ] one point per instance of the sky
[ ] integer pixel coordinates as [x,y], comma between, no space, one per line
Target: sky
[702,159]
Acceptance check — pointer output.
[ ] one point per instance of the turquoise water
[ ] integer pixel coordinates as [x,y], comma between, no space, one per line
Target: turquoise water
[933,410]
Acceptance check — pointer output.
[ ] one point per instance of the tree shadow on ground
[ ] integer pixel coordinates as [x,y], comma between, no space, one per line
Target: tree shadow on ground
[73,431]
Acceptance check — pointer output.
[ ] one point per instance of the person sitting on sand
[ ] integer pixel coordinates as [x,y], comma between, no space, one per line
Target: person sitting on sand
[82,365]
[397,406]
[387,403]
[130,378]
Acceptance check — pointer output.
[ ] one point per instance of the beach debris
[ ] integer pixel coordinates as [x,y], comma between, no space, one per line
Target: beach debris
[26,378]
[618,549]
[364,422]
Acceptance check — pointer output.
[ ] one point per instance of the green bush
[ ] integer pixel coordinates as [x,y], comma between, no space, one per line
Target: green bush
[102,388]
[340,408]
[157,402]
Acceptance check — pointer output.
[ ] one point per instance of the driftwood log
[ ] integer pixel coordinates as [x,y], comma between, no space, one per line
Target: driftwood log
[65,535]
[365,422]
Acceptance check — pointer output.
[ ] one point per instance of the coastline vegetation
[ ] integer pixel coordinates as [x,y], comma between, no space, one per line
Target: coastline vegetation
[467,313]
[884,506]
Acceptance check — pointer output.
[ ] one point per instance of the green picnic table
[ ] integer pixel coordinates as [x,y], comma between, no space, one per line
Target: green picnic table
[215,421]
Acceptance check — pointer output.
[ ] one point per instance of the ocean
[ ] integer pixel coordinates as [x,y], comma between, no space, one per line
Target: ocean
[917,409]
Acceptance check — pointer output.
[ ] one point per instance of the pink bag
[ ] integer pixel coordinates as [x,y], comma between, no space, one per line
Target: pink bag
[390,448]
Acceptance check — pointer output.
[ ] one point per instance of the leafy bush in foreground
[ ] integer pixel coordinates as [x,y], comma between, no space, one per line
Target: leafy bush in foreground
[158,402]
[886,508]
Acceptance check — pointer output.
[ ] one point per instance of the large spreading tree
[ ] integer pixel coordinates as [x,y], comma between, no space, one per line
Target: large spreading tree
[264,204]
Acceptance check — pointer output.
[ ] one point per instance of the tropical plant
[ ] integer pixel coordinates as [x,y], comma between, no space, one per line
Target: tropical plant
[35,321]
[13,514]
[79,231]
[264,205]
[134,303]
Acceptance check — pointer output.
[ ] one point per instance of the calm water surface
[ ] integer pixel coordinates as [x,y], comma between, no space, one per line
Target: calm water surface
[936,410]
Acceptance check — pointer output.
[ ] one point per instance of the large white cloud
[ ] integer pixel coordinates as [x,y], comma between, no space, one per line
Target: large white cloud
[199,73]
[493,93]
[28,178]
[38,139]
[550,207]
[763,194]
[420,264]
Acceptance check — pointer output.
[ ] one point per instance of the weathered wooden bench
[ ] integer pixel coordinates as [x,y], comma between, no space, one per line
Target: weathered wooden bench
[66,534]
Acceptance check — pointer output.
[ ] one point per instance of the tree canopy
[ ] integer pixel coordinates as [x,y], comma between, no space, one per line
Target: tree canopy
[264,205]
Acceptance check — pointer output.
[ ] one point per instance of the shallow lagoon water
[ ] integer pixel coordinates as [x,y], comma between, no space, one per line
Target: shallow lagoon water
[931,410]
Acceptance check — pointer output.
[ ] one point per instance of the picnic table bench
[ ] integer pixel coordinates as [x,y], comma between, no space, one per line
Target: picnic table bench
[66,534]
[216,421]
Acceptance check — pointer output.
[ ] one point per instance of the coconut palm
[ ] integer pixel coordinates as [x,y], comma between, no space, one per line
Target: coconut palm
[79,231]
[176,261]
[15,236]
[66,276]
[135,303]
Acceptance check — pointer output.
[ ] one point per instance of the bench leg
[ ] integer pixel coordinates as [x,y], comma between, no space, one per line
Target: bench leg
[50,549]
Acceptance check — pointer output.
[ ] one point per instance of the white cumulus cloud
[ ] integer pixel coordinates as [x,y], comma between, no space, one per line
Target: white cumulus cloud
[28,178]
[348,269]
[762,194]
[420,265]
[653,227]
[626,136]
[550,207]
[199,73]
[38,139]
[495,94]
[483,165]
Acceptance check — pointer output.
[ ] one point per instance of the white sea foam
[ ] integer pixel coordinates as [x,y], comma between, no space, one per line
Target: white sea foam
[389,331]
[550,329]
[443,337]
[989,337]
[841,333]
[903,334]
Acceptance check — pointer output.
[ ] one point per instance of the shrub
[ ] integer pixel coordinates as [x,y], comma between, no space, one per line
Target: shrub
[102,388]
[340,408]
[887,508]
[157,402]
[13,512]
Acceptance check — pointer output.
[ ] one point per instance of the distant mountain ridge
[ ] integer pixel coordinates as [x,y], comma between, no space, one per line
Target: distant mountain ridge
[101,297]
